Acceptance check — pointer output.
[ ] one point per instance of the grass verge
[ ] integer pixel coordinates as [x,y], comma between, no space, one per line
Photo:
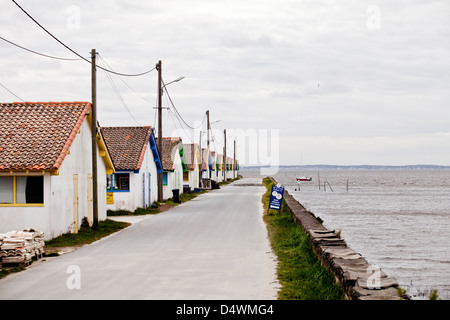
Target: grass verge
[86,235]
[300,273]
[4,272]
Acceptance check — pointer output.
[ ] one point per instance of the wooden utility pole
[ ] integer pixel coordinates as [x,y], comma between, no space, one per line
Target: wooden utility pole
[225,155]
[94,139]
[200,174]
[207,134]
[160,136]
[234,160]
[207,127]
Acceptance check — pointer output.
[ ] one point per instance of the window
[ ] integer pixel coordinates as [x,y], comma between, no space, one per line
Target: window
[164,178]
[118,182]
[186,176]
[21,190]
[6,190]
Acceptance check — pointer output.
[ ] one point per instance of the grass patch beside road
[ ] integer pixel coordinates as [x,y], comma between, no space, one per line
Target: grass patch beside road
[86,235]
[300,273]
[6,271]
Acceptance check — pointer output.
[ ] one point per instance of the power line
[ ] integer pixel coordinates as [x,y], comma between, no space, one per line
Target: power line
[187,135]
[180,119]
[48,32]
[77,54]
[143,98]
[111,81]
[106,64]
[172,113]
[212,135]
[178,114]
[213,139]
[127,74]
[156,113]
[15,95]
[38,53]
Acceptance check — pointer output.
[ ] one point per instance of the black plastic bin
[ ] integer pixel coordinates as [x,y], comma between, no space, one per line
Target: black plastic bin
[176,195]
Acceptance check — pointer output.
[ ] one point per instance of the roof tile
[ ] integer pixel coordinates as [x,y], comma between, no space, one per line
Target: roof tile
[168,154]
[127,145]
[37,135]
[190,154]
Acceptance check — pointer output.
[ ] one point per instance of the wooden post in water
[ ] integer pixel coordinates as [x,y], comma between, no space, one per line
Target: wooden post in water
[318,178]
[330,186]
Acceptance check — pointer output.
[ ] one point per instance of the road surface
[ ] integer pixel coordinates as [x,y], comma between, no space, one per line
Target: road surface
[212,247]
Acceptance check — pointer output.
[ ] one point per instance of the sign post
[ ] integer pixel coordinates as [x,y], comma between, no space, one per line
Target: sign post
[276,198]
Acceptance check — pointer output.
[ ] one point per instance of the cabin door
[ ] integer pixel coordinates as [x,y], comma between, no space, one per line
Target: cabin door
[149,189]
[75,203]
[143,190]
[89,199]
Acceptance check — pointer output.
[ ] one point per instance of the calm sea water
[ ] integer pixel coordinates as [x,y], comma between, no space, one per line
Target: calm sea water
[398,220]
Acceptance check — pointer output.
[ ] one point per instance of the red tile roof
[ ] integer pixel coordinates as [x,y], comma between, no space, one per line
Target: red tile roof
[190,155]
[127,145]
[205,158]
[213,159]
[169,152]
[38,135]
[220,160]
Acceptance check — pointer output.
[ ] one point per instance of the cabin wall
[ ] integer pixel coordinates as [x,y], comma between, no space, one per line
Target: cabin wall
[67,195]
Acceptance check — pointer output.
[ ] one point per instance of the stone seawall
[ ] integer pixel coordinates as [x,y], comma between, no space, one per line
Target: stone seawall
[358,279]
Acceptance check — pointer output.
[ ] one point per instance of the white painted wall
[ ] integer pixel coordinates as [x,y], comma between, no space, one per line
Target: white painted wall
[214,175]
[151,184]
[174,178]
[143,189]
[205,174]
[56,216]
[193,177]
[219,174]
[19,218]
[79,162]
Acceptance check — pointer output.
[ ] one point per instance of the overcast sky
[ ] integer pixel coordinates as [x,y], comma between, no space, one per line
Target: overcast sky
[316,82]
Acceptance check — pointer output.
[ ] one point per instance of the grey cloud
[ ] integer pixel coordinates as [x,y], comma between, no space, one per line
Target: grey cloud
[312,68]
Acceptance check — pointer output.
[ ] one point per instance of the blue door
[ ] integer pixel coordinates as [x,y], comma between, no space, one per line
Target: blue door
[149,189]
[143,190]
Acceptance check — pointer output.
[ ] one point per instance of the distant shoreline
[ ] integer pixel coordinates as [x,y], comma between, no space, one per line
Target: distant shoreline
[350,167]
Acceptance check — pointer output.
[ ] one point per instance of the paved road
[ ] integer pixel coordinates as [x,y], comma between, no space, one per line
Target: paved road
[212,247]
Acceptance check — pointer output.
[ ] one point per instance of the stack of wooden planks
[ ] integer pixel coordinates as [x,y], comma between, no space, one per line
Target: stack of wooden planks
[20,247]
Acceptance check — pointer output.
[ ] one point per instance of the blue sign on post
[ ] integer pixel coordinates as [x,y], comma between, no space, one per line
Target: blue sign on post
[276,197]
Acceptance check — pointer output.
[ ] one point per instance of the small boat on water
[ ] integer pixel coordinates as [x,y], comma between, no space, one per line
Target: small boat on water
[304,179]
